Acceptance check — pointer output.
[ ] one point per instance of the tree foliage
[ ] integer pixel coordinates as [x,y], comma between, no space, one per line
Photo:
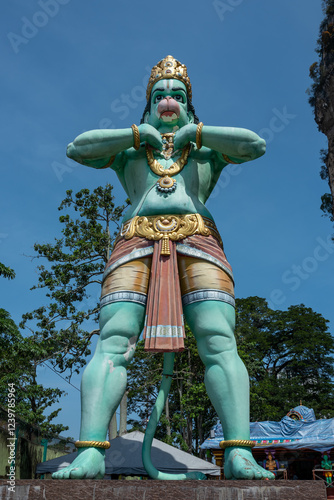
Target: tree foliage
[6,272]
[289,356]
[19,359]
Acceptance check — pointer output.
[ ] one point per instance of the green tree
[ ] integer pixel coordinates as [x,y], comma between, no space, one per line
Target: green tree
[74,272]
[289,356]
[6,272]
[18,365]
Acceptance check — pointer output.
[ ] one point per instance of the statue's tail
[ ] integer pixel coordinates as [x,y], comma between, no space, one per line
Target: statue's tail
[153,422]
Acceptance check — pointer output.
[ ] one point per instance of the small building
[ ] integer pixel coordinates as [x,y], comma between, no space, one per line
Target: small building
[298,442]
[24,446]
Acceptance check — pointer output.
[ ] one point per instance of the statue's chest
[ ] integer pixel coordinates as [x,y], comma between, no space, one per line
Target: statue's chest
[140,175]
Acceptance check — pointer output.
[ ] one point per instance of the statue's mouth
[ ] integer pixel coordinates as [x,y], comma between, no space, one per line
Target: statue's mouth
[168,116]
[169,110]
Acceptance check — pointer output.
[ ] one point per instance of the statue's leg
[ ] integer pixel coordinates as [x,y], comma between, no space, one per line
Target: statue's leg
[104,383]
[226,380]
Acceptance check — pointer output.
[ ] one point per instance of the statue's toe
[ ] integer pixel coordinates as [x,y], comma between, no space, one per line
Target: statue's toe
[77,473]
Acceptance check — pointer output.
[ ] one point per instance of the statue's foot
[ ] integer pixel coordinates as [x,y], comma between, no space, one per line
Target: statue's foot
[89,464]
[240,464]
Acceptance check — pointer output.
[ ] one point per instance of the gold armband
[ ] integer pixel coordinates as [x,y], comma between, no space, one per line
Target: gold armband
[228,160]
[237,442]
[136,136]
[199,135]
[92,444]
[110,162]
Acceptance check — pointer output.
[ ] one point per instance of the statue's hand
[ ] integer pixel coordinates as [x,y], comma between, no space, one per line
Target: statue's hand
[150,135]
[184,135]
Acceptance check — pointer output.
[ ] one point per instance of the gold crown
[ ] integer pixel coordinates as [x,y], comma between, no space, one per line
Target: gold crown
[169,68]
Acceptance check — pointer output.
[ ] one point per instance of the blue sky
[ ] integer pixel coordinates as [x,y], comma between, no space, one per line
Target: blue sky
[75,65]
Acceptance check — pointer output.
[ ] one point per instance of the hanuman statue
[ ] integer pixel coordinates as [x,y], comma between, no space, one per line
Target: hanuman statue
[168,262]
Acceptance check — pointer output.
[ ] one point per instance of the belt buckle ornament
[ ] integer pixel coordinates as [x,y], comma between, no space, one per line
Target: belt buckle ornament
[165,227]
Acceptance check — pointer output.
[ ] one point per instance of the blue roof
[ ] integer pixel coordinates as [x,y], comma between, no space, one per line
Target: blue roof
[292,434]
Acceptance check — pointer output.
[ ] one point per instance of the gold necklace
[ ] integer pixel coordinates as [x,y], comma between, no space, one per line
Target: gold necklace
[166,184]
[174,169]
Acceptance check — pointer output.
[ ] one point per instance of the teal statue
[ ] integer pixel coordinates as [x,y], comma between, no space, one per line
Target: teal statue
[327,465]
[168,263]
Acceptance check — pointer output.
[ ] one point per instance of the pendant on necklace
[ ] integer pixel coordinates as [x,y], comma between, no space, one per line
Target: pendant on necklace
[166,184]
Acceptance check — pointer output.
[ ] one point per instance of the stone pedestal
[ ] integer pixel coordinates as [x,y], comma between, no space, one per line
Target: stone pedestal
[163,490]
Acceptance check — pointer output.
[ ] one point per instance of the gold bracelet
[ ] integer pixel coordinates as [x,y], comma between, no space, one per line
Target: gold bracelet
[237,442]
[228,160]
[136,136]
[92,444]
[199,135]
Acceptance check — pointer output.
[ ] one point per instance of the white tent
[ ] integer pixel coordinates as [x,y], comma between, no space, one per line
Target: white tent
[124,457]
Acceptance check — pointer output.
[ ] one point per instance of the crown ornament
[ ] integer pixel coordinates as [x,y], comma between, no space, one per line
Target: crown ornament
[169,68]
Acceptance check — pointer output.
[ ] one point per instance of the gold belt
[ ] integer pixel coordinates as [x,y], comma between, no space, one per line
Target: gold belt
[168,227]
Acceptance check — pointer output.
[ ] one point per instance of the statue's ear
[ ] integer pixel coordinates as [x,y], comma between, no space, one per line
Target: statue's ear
[147,114]
[190,117]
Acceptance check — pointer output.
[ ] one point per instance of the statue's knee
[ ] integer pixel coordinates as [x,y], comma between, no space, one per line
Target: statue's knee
[215,337]
[219,344]
[216,344]
[120,348]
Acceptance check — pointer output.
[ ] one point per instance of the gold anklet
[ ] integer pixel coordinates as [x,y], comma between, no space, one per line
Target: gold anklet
[92,444]
[199,135]
[237,442]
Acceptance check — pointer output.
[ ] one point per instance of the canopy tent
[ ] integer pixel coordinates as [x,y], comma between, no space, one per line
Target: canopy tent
[124,457]
[298,429]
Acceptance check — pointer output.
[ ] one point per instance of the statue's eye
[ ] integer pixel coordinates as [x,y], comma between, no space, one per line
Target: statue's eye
[158,98]
[178,97]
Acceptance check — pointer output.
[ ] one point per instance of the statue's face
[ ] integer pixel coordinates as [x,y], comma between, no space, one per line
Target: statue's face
[169,109]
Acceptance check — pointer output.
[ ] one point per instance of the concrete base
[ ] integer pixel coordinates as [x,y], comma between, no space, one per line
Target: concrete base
[90,489]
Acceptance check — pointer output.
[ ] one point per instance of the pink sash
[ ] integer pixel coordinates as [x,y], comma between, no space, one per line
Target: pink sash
[164,328]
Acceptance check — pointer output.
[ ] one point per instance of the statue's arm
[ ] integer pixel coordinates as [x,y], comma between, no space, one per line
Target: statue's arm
[232,145]
[235,144]
[99,148]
